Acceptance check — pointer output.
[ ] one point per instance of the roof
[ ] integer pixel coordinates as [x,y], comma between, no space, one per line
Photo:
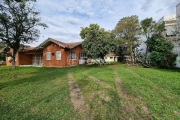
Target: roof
[61,44]
[26,48]
[110,55]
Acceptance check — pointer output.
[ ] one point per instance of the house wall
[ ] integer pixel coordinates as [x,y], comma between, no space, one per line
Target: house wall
[16,60]
[65,61]
[111,59]
[70,62]
[53,62]
[25,59]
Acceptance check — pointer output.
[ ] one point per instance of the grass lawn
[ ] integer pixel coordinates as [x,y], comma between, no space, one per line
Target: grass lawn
[44,93]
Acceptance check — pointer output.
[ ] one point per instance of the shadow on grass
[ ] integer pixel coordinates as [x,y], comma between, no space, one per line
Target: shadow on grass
[8,112]
[36,107]
[37,75]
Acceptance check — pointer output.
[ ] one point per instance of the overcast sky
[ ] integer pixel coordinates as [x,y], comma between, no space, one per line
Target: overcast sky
[66,17]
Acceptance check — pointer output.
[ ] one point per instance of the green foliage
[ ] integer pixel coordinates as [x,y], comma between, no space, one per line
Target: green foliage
[159,43]
[147,25]
[127,31]
[18,23]
[97,42]
[161,52]
[2,56]
[159,28]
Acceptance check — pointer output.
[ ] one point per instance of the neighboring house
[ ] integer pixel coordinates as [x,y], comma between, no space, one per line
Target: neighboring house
[111,57]
[50,53]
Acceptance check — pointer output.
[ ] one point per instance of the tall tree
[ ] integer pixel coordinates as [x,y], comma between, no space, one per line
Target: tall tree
[147,28]
[127,31]
[18,23]
[97,41]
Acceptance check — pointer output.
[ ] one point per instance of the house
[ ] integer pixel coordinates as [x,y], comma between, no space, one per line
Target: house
[111,57]
[50,53]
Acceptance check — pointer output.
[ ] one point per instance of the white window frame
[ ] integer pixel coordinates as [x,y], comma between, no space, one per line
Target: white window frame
[58,55]
[48,55]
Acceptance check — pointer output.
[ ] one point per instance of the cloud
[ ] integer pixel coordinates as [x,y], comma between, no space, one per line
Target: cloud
[72,20]
[66,17]
[171,5]
[147,5]
[159,10]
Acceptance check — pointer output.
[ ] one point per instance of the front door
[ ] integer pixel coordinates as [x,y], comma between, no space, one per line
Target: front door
[37,59]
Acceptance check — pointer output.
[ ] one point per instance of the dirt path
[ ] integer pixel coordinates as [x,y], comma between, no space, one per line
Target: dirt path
[130,104]
[104,85]
[76,97]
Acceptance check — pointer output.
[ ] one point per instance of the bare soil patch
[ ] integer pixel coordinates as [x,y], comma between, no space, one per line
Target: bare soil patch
[76,97]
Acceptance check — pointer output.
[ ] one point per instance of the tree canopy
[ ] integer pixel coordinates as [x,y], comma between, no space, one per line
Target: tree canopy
[18,23]
[160,52]
[97,42]
[147,26]
[127,33]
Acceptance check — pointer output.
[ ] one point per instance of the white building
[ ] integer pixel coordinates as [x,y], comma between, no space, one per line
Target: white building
[177,44]
[111,57]
[170,32]
[170,24]
[178,19]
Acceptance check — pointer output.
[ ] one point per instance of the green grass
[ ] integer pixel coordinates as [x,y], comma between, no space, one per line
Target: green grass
[43,93]
[34,93]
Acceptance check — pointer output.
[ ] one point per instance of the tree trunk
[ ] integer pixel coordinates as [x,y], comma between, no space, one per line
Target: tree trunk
[132,62]
[13,60]
[131,53]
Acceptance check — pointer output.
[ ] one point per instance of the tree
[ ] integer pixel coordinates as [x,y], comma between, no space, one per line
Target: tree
[147,26]
[127,31]
[18,23]
[160,52]
[2,54]
[97,41]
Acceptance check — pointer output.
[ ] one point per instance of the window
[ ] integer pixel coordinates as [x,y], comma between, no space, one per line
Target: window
[72,55]
[48,55]
[82,55]
[111,57]
[58,55]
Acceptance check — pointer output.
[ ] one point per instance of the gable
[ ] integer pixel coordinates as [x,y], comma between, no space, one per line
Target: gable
[59,43]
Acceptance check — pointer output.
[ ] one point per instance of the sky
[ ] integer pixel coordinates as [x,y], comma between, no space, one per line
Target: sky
[65,18]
